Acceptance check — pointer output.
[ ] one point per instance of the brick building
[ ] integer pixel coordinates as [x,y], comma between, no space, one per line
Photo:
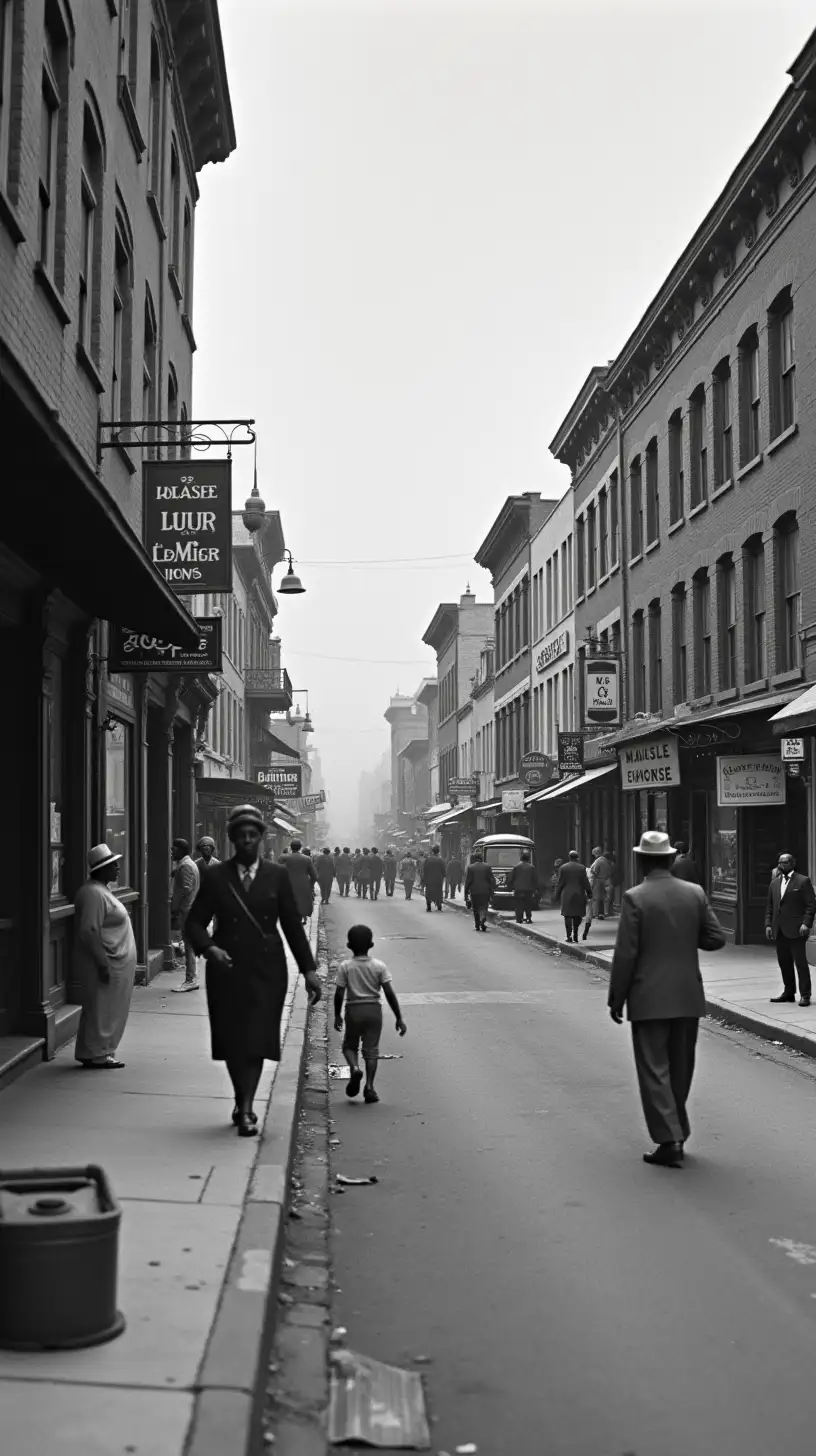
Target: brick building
[107,116]
[457,634]
[690,454]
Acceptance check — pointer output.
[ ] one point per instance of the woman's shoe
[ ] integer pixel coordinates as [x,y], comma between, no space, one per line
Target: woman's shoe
[236,1116]
[246,1127]
[110,1064]
[586,931]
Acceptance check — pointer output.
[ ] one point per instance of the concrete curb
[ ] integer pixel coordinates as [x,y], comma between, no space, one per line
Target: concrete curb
[231,1382]
[718,1010]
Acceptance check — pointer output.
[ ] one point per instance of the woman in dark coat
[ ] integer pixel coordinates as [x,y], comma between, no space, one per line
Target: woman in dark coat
[247,976]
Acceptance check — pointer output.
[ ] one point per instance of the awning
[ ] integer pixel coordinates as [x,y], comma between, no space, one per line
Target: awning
[60,518]
[435,810]
[566,786]
[449,818]
[801,713]
[233,792]
[652,726]
[277,745]
[489,808]
[282,824]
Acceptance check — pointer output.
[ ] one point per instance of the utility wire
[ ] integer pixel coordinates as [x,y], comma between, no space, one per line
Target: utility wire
[374,661]
[386,560]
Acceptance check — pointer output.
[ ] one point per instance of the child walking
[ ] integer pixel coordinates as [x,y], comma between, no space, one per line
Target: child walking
[361,980]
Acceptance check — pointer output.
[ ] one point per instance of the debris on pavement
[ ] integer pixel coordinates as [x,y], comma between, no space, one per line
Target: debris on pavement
[466,1450]
[376,1404]
[355,1182]
[391,1056]
[339,1074]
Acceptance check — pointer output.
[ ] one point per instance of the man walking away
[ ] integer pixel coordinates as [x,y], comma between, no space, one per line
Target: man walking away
[572,892]
[186,880]
[303,876]
[453,877]
[523,881]
[325,876]
[480,883]
[656,976]
[789,918]
[390,872]
[363,874]
[357,861]
[206,854]
[377,864]
[433,879]
[684,867]
[599,872]
[343,871]
[408,874]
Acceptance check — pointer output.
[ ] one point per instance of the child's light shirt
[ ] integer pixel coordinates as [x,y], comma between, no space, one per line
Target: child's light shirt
[362,978]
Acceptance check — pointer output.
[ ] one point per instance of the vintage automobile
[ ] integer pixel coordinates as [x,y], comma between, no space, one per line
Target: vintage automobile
[503,851]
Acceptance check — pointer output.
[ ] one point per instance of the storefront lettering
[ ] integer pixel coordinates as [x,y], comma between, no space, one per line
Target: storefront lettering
[177,539]
[552,651]
[653,763]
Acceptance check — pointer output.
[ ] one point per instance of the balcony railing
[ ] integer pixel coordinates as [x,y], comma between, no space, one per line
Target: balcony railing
[269,686]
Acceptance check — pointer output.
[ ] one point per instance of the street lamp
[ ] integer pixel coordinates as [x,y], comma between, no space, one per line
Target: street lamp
[291,586]
[306,724]
[254,507]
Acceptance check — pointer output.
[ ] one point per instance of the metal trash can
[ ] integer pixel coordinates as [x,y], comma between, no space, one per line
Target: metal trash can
[59,1248]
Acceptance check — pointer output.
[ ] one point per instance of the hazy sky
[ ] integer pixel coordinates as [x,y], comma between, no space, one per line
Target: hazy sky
[440,215]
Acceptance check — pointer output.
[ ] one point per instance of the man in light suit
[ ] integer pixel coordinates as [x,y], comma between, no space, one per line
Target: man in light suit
[656,976]
[789,916]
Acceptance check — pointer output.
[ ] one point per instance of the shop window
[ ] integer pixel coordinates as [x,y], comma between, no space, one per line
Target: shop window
[55,702]
[676,479]
[652,494]
[118,796]
[638,664]
[636,507]
[750,403]
[655,658]
[781,363]
[789,611]
[702,634]
[698,441]
[754,569]
[723,852]
[727,602]
[723,436]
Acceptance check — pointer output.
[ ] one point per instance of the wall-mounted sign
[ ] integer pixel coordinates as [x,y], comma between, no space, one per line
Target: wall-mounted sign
[513,801]
[551,651]
[463,786]
[602,691]
[570,754]
[187,523]
[131,651]
[536,770]
[793,750]
[651,763]
[793,770]
[285,782]
[314,801]
[747,779]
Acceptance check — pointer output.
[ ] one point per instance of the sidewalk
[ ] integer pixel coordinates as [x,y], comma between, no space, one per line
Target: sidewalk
[201,1213]
[739,979]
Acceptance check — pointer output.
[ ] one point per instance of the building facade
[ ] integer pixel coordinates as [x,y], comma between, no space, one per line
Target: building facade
[457,634]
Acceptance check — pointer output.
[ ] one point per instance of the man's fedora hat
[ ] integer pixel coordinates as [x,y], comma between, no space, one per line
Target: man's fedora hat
[245,814]
[655,845]
[100,855]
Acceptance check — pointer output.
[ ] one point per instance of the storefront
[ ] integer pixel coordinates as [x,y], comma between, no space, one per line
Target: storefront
[575,813]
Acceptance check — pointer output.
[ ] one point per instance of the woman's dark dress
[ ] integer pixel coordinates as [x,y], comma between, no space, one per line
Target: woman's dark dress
[245,1001]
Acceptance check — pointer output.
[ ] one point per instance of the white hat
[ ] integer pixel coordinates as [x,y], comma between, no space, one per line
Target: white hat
[100,855]
[657,845]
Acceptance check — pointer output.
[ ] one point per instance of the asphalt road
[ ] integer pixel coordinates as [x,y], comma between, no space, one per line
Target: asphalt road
[573,1301]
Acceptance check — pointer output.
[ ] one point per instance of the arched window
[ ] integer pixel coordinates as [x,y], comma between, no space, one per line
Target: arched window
[121,403]
[184,448]
[727,613]
[90,243]
[781,363]
[789,597]
[187,260]
[698,442]
[750,399]
[149,380]
[702,633]
[172,411]
[175,203]
[154,122]
[652,494]
[638,663]
[655,657]
[679,644]
[636,507]
[756,664]
[676,469]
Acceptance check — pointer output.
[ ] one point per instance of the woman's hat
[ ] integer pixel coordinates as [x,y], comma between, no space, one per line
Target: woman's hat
[205,839]
[655,845]
[245,814]
[100,855]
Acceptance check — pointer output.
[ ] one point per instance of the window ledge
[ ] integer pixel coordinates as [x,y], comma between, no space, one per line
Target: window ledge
[602,580]
[9,219]
[188,329]
[86,362]
[703,702]
[760,685]
[127,896]
[752,465]
[675,525]
[787,434]
[695,510]
[52,293]
[652,546]
[614,567]
[782,679]
[155,213]
[721,489]
[63,911]
[579,597]
[727,695]
[590,591]
[175,282]
[633,560]
[131,119]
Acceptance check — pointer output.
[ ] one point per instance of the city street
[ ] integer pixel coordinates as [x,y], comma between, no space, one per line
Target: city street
[567,1298]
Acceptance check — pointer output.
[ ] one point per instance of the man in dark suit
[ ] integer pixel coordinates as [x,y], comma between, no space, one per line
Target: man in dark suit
[656,976]
[789,918]
[684,867]
[432,879]
[303,875]
[572,891]
[523,881]
[377,865]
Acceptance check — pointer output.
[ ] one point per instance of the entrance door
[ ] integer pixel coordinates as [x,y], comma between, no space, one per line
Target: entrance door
[698,833]
[762,833]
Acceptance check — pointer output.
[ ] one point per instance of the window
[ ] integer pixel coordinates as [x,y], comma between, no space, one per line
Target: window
[580,564]
[789,618]
[49,119]
[556,594]
[698,440]
[638,664]
[727,602]
[781,363]
[149,411]
[636,507]
[749,397]
[603,533]
[655,658]
[723,442]
[652,496]
[154,122]
[676,478]
[185,448]
[54,701]
[118,803]
[187,259]
[679,652]
[702,634]
[591,548]
[7,18]
[172,410]
[175,204]
[754,565]
[613,519]
[128,40]
[122,323]
[549,595]
[90,242]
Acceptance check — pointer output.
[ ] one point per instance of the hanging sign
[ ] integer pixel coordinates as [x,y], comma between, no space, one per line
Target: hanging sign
[314,801]
[602,691]
[535,770]
[187,523]
[652,763]
[570,754]
[285,782]
[793,750]
[513,801]
[130,651]
[747,779]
